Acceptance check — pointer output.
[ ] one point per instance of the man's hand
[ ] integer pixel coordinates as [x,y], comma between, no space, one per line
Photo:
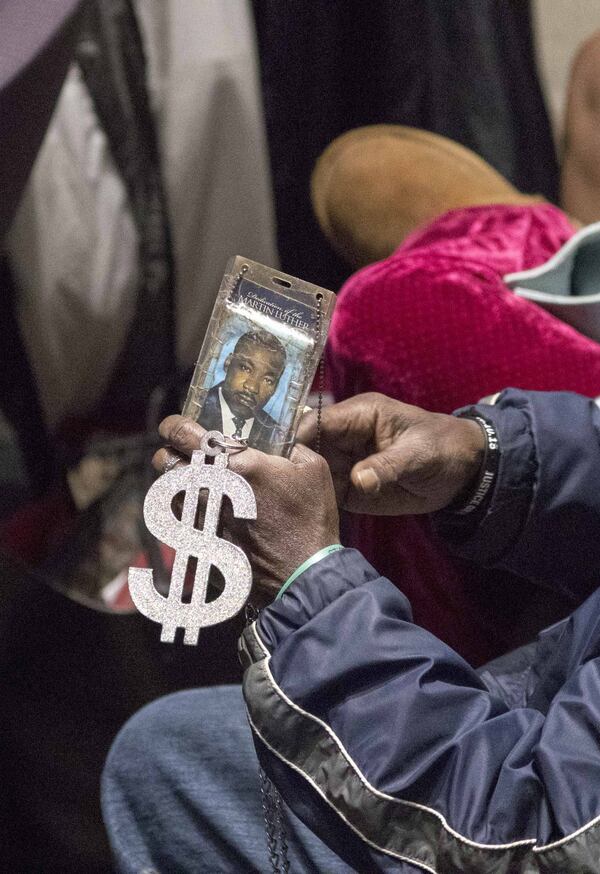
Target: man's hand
[296,507]
[390,458]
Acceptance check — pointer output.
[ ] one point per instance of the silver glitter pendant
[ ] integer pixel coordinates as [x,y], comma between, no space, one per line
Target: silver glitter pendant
[190,542]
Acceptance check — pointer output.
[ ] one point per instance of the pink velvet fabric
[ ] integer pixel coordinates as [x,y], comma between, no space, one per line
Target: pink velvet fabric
[434,325]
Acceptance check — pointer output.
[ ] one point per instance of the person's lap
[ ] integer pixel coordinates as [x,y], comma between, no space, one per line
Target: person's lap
[181,793]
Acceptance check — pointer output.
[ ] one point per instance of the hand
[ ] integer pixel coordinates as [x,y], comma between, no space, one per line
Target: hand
[296,507]
[390,458]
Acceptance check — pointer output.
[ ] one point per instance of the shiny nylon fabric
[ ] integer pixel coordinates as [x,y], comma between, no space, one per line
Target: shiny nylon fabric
[417,721]
[434,325]
[397,838]
[553,438]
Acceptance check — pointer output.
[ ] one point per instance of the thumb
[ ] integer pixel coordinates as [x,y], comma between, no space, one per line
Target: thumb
[381,469]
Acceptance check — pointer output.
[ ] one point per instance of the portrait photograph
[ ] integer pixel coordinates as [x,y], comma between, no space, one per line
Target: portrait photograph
[256,364]
[248,394]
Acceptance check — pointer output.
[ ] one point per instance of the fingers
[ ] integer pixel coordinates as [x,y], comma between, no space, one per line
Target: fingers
[303,455]
[307,429]
[264,471]
[166,459]
[344,426]
[251,463]
[182,434]
[392,465]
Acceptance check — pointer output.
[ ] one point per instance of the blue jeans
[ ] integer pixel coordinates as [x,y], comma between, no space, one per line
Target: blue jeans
[180,793]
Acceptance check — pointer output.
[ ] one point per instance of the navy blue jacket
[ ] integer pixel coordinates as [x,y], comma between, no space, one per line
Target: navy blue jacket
[390,746]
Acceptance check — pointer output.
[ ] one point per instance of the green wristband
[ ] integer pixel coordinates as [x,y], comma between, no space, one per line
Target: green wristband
[322,553]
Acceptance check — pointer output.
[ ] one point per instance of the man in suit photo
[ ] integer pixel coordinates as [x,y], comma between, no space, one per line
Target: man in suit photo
[235,406]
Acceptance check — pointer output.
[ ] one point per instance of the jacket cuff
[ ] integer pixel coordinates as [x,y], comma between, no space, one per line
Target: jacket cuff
[318,556]
[315,588]
[509,506]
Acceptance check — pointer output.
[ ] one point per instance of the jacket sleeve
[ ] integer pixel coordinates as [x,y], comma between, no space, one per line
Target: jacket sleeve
[544,517]
[391,748]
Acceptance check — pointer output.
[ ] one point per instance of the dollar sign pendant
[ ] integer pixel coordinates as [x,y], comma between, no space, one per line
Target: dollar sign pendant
[189,541]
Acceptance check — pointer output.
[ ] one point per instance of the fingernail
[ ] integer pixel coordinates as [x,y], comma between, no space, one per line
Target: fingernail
[368,480]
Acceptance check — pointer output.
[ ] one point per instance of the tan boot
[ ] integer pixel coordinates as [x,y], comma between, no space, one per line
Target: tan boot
[372,186]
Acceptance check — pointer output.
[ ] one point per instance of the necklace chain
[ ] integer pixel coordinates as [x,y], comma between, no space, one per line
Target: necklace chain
[272,805]
[321,373]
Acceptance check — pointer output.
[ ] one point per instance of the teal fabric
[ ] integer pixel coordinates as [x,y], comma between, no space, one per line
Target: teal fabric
[573,271]
[568,284]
